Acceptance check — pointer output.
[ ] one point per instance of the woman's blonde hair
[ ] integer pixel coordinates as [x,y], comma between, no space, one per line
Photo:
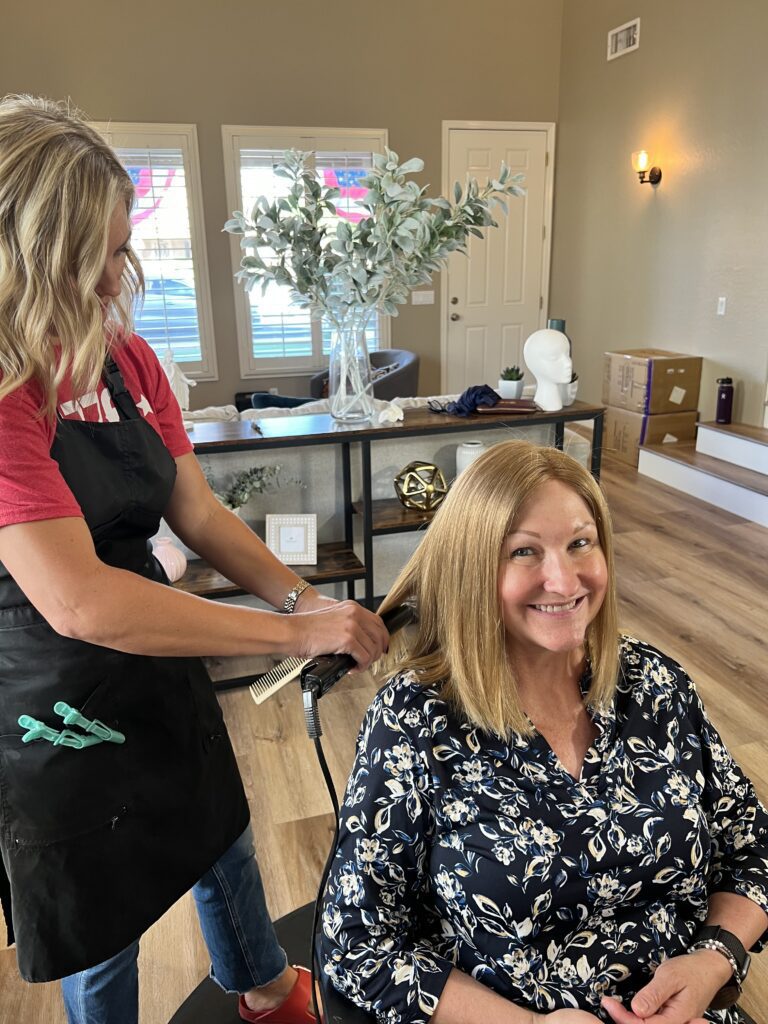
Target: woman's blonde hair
[453,578]
[59,185]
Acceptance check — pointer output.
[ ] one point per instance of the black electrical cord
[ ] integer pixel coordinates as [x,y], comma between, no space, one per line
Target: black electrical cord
[316,679]
[326,870]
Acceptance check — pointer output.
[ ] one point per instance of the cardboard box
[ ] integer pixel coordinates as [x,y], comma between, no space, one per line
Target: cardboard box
[650,380]
[625,431]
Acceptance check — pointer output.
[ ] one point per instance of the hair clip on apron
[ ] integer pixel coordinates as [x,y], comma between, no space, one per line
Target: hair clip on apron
[96,731]
[66,738]
[72,716]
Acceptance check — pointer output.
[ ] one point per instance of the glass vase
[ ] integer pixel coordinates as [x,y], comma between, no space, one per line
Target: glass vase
[350,388]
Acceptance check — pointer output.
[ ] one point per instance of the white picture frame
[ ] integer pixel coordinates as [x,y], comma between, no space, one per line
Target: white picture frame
[293,538]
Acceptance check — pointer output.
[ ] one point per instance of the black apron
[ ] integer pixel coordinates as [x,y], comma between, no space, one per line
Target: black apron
[97,843]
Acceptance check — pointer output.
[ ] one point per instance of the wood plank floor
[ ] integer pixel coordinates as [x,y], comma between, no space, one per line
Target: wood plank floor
[693,580]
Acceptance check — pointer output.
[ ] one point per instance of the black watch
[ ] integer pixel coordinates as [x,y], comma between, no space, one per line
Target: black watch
[730,946]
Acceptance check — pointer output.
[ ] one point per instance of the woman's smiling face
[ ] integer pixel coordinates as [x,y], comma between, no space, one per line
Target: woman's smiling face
[552,575]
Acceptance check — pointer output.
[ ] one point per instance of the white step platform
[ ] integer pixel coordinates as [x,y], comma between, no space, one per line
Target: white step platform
[736,443]
[740,489]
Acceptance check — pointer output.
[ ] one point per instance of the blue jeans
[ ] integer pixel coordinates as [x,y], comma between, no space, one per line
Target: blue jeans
[237,929]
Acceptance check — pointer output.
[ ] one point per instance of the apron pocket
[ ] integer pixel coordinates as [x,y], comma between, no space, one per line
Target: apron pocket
[51,793]
[207,721]
[23,840]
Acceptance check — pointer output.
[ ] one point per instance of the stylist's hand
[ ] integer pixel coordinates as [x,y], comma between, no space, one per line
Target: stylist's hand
[342,627]
[679,992]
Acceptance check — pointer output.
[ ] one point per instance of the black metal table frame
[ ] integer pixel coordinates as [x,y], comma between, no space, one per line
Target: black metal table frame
[386,433]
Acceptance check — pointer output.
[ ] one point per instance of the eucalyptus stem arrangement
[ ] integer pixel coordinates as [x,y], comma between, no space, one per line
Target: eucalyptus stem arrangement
[256,480]
[344,272]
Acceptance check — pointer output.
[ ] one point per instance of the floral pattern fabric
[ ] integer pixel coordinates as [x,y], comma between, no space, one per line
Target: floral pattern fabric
[460,849]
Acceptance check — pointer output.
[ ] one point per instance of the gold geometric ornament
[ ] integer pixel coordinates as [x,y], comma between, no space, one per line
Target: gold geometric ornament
[420,485]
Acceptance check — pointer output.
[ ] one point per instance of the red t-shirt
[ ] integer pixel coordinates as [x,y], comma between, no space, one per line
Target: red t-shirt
[31,485]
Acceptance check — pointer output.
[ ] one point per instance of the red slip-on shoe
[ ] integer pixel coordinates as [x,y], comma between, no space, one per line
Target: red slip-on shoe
[293,1010]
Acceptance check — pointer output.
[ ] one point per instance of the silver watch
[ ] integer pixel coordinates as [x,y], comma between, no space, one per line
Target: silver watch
[293,596]
[729,946]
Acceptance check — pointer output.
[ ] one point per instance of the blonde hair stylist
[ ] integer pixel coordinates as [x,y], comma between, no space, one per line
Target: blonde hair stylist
[103,827]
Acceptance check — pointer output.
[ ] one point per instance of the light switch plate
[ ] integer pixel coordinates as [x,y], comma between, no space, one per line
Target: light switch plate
[423,298]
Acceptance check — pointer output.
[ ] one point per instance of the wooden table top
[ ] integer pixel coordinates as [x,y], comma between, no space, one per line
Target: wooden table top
[277,431]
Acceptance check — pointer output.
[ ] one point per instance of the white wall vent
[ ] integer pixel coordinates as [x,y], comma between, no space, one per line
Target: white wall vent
[623,39]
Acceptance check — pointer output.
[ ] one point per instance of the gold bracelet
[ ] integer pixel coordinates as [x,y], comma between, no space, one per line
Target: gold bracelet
[293,595]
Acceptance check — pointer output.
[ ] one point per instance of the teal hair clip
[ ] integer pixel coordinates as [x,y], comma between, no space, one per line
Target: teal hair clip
[37,730]
[66,738]
[96,728]
[96,731]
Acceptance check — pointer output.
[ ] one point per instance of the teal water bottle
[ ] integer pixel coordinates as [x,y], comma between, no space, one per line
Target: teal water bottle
[559,325]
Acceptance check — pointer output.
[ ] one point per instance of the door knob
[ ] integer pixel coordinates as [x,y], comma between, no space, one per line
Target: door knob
[454,300]
[455,316]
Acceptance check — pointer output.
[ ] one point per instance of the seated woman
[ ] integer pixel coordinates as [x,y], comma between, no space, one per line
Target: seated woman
[541,822]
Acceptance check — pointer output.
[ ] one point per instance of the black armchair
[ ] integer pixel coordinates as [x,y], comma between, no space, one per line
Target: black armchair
[395,372]
[396,375]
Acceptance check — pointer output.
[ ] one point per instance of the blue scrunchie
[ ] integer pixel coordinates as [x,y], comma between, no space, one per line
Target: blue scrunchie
[469,400]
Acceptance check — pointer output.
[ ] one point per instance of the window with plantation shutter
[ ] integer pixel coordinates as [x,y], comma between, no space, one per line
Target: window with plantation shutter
[276,337]
[168,238]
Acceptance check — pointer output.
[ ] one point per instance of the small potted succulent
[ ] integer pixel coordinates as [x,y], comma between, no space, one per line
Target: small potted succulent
[510,383]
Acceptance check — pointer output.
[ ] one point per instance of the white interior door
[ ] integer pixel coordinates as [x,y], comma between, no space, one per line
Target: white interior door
[496,296]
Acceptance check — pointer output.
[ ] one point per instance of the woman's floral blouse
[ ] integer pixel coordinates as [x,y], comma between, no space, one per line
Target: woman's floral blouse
[457,848]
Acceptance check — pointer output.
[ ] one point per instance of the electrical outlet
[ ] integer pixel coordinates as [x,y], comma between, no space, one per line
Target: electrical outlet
[422,298]
[721,304]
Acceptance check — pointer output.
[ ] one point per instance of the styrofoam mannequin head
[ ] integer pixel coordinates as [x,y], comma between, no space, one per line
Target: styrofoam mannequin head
[546,354]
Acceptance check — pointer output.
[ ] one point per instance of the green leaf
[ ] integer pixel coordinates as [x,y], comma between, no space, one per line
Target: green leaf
[412,166]
[457,192]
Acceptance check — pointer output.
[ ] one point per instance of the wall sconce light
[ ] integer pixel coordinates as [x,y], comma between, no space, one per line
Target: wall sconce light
[640,161]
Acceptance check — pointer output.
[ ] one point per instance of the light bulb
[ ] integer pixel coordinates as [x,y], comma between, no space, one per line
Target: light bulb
[640,161]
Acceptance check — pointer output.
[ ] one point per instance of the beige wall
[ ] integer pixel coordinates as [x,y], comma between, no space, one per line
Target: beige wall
[637,266]
[404,65]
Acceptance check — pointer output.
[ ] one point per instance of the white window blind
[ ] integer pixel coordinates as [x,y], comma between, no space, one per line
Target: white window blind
[168,239]
[279,330]
[275,335]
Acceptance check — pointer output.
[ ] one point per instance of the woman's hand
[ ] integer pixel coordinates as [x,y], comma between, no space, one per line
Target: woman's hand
[680,991]
[341,627]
